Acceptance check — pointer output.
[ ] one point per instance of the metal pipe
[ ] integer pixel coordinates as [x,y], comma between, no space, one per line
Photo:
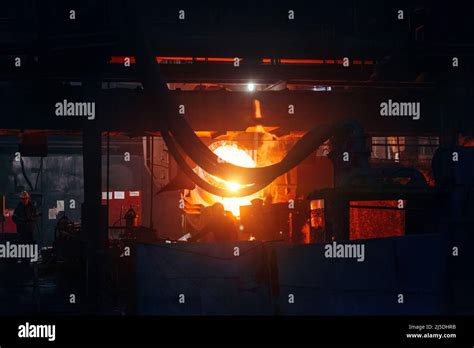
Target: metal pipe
[108,177]
[152,165]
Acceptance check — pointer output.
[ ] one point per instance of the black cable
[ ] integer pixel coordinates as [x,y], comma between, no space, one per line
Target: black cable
[189,172]
[301,150]
[24,174]
[208,161]
[39,172]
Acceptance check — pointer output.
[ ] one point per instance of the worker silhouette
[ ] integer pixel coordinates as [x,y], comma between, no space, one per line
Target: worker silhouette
[262,223]
[24,217]
[220,228]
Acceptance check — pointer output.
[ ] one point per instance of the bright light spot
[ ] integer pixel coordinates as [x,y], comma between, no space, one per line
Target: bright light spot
[251,87]
[232,186]
[234,154]
[252,238]
[241,227]
[230,153]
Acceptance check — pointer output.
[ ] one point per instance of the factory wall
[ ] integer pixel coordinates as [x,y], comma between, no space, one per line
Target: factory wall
[261,280]
[208,276]
[61,180]
[133,173]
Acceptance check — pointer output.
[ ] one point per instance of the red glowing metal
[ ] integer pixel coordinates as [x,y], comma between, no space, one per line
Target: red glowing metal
[366,223]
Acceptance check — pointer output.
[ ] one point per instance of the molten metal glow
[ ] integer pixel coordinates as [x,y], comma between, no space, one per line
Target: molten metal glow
[234,154]
[231,153]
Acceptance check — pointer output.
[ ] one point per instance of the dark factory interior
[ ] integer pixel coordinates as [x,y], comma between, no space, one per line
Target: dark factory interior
[243,158]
